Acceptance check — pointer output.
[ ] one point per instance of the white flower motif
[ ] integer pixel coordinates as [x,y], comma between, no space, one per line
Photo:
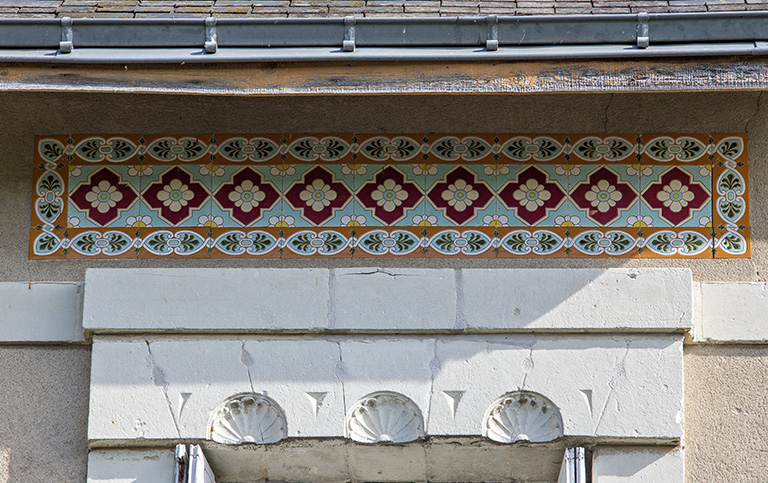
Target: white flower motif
[495,221]
[639,221]
[565,169]
[140,170]
[424,169]
[567,220]
[424,220]
[139,221]
[496,169]
[210,221]
[460,195]
[639,170]
[247,196]
[281,221]
[603,196]
[318,195]
[282,170]
[74,170]
[212,169]
[175,195]
[675,196]
[353,220]
[705,170]
[353,168]
[531,195]
[705,221]
[104,196]
[73,222]
[389,195]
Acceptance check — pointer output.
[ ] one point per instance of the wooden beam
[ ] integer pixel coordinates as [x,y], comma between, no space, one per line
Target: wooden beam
[732,74]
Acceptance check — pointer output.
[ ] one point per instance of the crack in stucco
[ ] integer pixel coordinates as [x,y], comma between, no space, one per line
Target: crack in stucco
[757,111]
[331,315]
[434,369]
[618,372]
[340,372]
[527,367]
[159,380]
[247,359]
[607,108]
[377,271]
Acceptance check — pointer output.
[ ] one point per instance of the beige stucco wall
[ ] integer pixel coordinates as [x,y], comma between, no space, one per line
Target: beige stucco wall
[43,413]
[28,114]
[44,390]
[726,413]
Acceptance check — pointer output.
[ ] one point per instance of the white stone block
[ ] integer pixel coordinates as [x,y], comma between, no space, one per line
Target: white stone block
[303,377]
[401,366]
[40,312]
[218,299]
[166,388]
[633,464]
[182,382]
[128,396]
[602,386]
[734,311]
[394,299]
[130,466]
[583,299]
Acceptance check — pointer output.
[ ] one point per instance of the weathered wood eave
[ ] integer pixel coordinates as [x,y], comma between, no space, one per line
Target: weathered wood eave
[382,78]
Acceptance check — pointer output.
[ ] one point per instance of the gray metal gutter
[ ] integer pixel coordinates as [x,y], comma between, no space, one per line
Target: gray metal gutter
[383,39]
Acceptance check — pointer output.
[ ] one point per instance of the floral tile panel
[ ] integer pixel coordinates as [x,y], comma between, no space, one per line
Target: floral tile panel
[408,195]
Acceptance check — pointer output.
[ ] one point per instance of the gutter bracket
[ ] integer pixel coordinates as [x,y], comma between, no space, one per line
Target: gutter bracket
[349,34]
[492,42]
[643,38]
[211,37]
[761,48]
[66,45]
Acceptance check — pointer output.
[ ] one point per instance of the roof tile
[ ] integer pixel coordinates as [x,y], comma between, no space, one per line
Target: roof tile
[332,8]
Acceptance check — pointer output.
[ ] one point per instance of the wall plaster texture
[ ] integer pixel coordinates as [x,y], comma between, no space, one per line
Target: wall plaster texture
[28,114]
[43,413]
[165,388]
[726,424]
[724,385]
[391,300]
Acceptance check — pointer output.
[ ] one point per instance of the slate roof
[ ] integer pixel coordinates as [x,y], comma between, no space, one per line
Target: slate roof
[358,8]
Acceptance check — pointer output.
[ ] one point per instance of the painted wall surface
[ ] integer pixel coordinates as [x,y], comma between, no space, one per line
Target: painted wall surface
[725,422]
[726,436]
[43,413]
[44,389]
[29,114]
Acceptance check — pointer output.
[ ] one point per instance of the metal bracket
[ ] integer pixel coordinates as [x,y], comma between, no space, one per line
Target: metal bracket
[65,45]
[492,43]
[211,37]
[643,39]
[349,34]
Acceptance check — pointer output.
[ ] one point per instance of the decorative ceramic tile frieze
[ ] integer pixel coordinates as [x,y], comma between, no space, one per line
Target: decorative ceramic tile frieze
[354,195]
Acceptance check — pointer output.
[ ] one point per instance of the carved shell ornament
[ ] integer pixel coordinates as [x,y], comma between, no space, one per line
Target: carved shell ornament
[522,416]
[384,417]
[247,418]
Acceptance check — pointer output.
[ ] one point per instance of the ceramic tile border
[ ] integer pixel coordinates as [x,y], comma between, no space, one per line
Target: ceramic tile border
[711,168]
